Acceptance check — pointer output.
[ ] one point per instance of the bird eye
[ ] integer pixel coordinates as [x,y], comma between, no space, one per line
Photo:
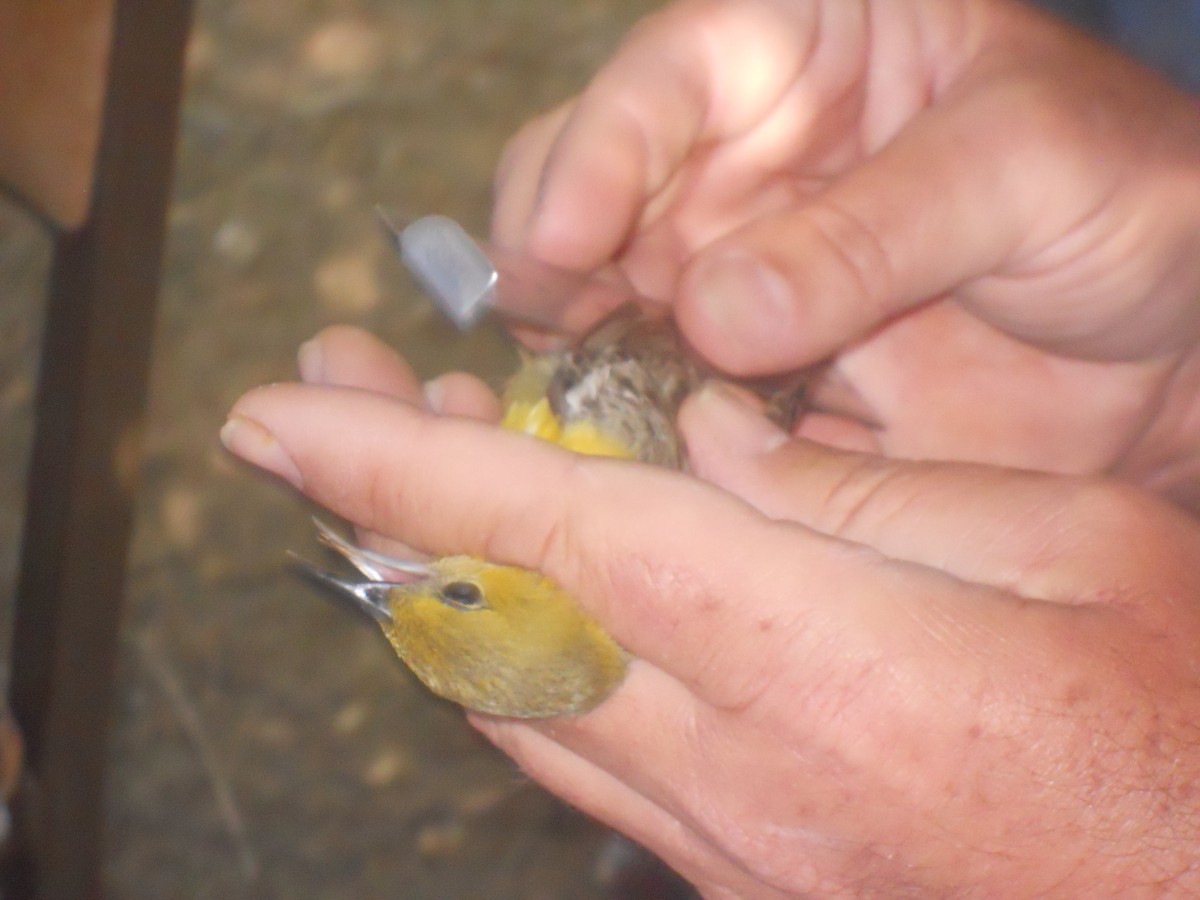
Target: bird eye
[463,594]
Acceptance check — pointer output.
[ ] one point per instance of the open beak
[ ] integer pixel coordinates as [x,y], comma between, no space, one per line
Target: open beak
[370,593]
[375,566]
[370,597]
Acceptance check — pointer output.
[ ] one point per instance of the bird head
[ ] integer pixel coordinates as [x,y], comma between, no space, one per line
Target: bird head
[496,639]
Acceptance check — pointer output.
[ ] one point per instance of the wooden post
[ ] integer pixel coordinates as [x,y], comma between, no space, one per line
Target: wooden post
[89,413]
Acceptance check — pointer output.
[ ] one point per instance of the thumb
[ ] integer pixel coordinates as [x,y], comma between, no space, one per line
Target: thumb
[960,192]
[1039,535]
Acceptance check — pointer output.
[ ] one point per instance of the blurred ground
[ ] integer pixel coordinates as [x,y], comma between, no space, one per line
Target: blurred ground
[267,744]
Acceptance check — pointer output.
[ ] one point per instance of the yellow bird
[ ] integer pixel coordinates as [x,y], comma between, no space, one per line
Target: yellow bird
[501,639]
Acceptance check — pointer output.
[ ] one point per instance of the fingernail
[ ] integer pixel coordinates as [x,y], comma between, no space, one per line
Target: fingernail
[735,422]
[310,359]
[435,395]
[742,294]
[249,440]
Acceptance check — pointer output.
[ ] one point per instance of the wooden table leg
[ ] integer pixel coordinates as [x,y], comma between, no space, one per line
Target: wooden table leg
[86,455]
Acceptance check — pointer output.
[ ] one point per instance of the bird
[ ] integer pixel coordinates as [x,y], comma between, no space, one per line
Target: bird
[508,641]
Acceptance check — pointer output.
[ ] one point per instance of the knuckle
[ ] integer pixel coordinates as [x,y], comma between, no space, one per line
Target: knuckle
[856,250]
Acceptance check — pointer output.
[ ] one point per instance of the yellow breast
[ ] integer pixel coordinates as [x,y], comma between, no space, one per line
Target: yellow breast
[536,418]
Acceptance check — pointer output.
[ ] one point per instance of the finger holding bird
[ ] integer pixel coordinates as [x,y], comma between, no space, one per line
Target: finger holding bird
[611,387]
[452,485]
[523,647]
[501,639]
[349,357]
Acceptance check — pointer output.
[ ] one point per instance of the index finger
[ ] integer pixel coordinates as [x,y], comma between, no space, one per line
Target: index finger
[693,73]
[684,575]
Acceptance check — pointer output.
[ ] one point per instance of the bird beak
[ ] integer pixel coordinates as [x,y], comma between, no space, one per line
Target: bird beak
[370,597]
[375,566]
[370,593]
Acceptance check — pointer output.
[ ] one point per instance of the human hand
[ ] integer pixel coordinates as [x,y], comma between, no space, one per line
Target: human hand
[868,676]
[989,221]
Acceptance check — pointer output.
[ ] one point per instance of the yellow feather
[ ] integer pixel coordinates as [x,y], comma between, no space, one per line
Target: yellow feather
[585,437]
[538,419]
[533,417]
[526,651]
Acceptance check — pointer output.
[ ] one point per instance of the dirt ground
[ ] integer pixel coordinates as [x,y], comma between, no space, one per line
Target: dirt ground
[265,743]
